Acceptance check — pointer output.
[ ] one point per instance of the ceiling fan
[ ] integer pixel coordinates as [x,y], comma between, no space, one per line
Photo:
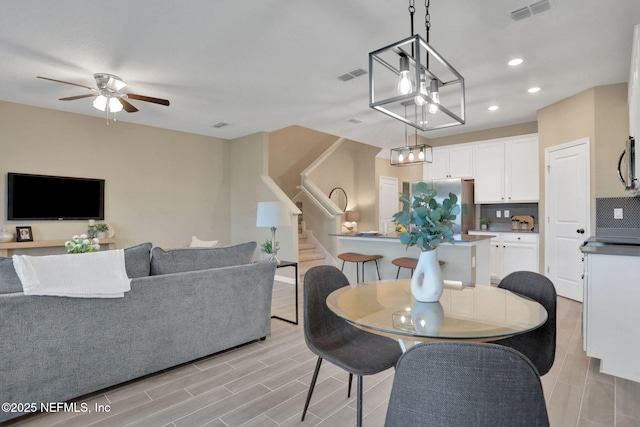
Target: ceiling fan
[108,95]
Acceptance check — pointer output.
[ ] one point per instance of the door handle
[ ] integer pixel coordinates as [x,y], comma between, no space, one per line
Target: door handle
[580,231]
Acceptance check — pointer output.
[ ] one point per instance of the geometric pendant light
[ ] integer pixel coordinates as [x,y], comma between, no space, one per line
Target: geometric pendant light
[411,82]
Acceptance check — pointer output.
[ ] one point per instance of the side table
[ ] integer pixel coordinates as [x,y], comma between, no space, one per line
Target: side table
[295,266]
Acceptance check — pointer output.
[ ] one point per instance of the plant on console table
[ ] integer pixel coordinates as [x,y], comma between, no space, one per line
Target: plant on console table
[428,223]
[81,243]
[267,248]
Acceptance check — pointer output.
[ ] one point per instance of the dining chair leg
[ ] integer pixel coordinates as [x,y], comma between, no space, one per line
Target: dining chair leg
[359,403]
[311,387]
[350,381]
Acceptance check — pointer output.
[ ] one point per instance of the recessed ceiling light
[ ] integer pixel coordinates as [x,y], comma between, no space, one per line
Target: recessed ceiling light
[534,90]
[493,108]
[516,61]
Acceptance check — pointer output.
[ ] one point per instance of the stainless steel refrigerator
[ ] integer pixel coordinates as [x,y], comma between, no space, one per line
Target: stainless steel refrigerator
[463,189]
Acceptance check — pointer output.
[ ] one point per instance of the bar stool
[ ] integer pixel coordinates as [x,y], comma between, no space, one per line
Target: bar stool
[359,258]
[405,262]
[410,263]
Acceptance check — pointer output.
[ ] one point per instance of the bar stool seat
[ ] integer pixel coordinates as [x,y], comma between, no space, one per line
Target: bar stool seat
[360,258]
[405,262]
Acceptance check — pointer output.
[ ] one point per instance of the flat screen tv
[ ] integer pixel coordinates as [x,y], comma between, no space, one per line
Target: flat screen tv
[41,197]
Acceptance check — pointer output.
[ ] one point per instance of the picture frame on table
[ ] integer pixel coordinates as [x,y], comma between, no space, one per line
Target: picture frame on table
[24,234]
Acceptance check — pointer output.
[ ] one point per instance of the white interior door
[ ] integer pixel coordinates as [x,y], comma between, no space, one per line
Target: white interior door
[568,215]
[389,203]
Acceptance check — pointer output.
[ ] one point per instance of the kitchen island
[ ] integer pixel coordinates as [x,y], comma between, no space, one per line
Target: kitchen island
[467,260]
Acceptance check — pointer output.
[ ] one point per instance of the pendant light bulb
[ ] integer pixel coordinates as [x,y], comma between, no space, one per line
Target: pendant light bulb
[421,154]
[411,156]
[404,80]
[420,99]
[435,97]
[400,157]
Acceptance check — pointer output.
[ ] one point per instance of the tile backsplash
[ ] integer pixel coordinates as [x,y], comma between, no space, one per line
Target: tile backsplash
[606,208]
[491,212]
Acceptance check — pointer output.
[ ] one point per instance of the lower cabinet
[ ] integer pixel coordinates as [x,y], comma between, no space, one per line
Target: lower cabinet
[611,322]
[511,251]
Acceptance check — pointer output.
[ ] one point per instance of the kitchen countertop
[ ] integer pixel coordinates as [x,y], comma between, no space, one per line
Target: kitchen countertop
[464,238]
[506,229]
[609,246]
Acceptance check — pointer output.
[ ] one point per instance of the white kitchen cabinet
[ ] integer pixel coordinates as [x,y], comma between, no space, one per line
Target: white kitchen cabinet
[454,161]
[511,251]
[611,323]
[506,170]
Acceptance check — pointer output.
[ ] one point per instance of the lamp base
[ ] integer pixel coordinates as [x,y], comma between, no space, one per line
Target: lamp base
[274,257]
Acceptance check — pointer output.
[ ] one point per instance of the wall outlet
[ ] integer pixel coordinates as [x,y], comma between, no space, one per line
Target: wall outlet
[498,214]
[617,213]
[506,213]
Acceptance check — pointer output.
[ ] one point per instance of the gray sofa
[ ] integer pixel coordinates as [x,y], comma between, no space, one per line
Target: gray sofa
[184,304]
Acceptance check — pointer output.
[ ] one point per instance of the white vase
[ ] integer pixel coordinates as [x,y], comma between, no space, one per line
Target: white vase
[5,236]
[427,284]
[426,317]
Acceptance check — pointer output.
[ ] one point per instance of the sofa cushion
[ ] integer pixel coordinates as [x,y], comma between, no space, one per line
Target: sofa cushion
[9,280]
[137,260]
[192,259]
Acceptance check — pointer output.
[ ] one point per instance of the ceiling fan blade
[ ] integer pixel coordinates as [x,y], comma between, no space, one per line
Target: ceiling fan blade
[73,98]
[148,99]
[68,83]
[128,107]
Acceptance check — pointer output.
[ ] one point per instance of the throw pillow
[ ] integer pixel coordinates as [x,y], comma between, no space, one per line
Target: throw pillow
[192,259]
[137,260]
[9,280]
[197,243]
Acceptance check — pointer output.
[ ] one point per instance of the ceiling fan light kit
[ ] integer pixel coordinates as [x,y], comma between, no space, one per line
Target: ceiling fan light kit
[108,95]
[411,82]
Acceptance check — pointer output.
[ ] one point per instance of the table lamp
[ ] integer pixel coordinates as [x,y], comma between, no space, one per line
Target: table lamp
[352,217]
[272,215]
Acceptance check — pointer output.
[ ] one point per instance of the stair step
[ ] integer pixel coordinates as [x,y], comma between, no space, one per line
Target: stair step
[306,246]
[310,256]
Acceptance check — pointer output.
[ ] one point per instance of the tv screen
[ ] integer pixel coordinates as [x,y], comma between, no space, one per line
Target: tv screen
[40,197]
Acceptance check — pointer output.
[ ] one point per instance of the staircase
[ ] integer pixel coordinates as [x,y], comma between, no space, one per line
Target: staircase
[308,255]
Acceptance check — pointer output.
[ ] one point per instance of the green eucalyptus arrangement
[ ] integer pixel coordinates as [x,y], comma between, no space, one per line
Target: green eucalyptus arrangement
[267,246]
[426,221]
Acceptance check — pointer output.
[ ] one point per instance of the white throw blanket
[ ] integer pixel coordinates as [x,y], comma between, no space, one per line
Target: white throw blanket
[90,275]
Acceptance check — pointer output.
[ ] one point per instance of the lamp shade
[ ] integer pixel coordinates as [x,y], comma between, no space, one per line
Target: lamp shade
[353,216]
[272,214]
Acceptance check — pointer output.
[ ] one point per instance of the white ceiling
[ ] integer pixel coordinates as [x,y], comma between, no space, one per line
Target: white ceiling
[262,65]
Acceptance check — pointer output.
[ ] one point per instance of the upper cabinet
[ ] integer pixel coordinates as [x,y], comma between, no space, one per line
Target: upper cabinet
[454,161]
[506,170]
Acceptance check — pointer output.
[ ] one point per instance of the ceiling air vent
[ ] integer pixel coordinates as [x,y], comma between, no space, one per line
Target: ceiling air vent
[355,121]
[541,6]
[519,14]
[532,9]
[220,125]
[352,75]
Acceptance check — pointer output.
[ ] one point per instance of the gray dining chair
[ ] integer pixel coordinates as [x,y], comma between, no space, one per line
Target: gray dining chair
[458,384]
[538,345]
[332,338]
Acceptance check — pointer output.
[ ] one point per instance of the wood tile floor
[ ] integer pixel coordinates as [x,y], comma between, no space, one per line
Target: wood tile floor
[265,384]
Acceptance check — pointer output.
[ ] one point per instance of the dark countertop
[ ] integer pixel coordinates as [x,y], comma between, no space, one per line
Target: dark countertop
[497,229]
[464,238]
[624,246]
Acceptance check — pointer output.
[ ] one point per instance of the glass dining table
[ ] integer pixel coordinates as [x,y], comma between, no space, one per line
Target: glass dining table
[464,313]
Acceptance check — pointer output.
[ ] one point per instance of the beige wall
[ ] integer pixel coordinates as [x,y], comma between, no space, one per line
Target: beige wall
[482,135]
[291,150]
[600,114]
[161,186]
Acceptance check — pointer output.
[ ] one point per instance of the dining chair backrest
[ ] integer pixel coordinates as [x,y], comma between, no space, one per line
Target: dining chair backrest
[538,345]
[320,323]
[450,384]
